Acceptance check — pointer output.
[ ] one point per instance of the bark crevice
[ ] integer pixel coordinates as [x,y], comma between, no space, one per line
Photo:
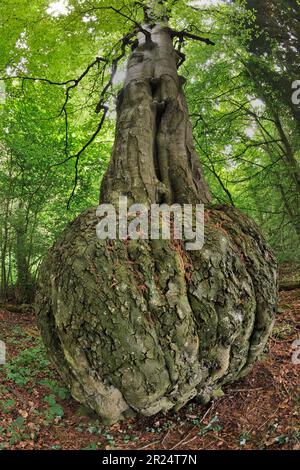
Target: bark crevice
[153,107]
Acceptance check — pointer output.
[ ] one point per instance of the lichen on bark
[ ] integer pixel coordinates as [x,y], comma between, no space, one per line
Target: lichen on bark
[146,325]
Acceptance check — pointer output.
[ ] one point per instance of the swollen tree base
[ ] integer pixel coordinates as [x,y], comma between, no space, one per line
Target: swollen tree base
[146,325]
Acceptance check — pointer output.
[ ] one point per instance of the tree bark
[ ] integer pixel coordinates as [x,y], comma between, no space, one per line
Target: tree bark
[145,325]
[24,284]
[154,159]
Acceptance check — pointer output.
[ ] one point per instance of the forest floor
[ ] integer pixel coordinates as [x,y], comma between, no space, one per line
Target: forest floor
[260,412]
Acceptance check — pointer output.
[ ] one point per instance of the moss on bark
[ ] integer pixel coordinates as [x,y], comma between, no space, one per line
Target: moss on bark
[147,325]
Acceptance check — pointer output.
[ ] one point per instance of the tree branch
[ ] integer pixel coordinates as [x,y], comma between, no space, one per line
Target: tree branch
[74,81]
[128,18]
[78,154]
[184,34]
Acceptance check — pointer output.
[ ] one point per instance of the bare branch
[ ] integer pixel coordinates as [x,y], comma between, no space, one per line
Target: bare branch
[184,34]
[37,79]
[78,154]
[128,18]
[74,81]
[126,40]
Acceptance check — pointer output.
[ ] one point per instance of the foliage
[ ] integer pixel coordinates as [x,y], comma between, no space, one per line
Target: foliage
[27,365]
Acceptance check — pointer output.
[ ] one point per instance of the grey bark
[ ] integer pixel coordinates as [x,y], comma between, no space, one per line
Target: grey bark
[146,326]
[154,158]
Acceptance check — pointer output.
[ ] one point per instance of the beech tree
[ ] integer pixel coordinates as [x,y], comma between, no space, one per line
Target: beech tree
[146,325]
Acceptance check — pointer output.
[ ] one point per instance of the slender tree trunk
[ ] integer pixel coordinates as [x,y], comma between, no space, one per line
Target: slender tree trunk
[290,160]
[24,287]
[4,277]
[5,250]
[293,215]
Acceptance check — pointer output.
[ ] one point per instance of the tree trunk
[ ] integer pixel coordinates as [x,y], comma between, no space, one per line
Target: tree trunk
[24,284]
[4,277]
[154,158]
[5,249]
[145,325]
